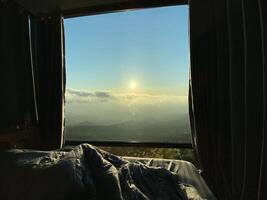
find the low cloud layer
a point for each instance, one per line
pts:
(83, 96)
(78, 93)
(104, 107)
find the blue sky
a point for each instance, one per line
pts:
(149, 47)
(127, 62)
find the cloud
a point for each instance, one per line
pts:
(79, 93)
(103, 94)
(83, 96)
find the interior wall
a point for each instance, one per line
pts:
(85, 7)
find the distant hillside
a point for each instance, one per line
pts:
(145, 131)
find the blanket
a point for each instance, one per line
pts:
(85, 172)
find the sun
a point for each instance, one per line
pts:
(132, 85)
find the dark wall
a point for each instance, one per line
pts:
(16, 88)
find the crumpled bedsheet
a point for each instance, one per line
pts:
(85, 172)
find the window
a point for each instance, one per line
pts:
(127, 77)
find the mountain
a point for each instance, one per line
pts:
(133, 130)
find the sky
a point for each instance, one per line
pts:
(133, 63)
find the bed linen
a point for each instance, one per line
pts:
(86, 172)
(187, 173)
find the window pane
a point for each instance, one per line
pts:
(127, 76)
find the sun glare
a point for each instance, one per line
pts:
(132, 85)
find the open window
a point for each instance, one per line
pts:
(127, 79)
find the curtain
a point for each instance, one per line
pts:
(228, 95)
(16, 84)
(48, 56)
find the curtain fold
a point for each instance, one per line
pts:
(228, 95)
(263, 171)
(48, 56)
(16, 86)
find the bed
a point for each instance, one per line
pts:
(87, 172)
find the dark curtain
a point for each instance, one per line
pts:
(16, 84)
(228, 95)
(48, 56)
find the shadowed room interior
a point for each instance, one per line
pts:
(226, 108)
